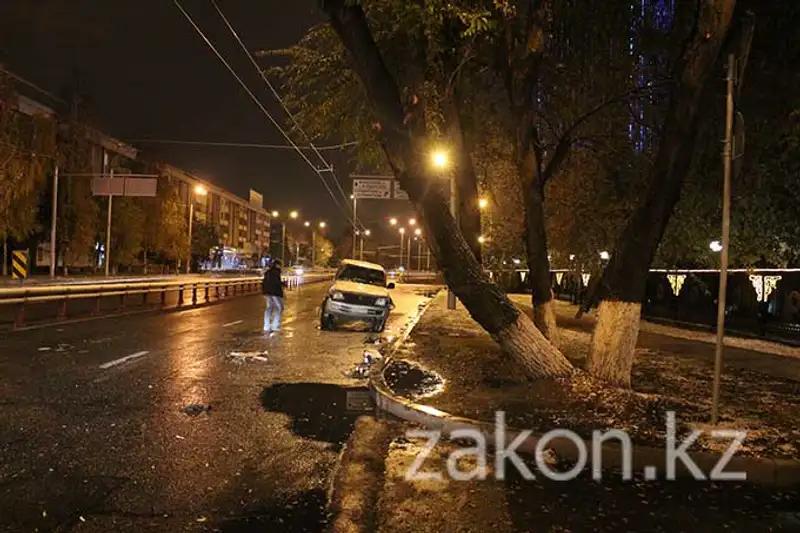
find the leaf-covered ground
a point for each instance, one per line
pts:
(760, 391)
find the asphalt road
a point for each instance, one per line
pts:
(90, 441)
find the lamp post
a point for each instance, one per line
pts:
(402, 240)
(441, 161)
(366, 233)
(199, 190)
(355, 223)
(314, 244)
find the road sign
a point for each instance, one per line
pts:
(19, 264)
(124, 186)
(399, 194)
(380, 189)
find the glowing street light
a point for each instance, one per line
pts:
(367, 232)
(440, 159)
(294, 214)
(307, 223)
(605, 256)
(481, 239)
(483, 203)
(402, 231)
(715, 246)
(412, 222)
(275, 214)
(393, 221)
(322, 224)
(199, 190)
(418, 232)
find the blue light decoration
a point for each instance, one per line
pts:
(658, 16)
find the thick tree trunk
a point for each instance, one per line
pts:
(536, 246)
(404, 142)
(621, 288)
(468, 209)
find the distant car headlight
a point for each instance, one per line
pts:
(298, 271)
(337, 296)
(382, 302)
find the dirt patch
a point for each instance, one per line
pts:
(480, 380)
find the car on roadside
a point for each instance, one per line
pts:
(359, 292)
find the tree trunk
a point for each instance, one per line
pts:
(621, 289)
(467, 180)
(5, 256)
(403, 139)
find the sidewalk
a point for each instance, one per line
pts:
(760, 392)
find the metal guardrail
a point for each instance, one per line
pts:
(187, 291)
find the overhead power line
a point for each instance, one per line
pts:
(242, 145)
(261, 106)
(272, 89)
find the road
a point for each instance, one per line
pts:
(94, 437)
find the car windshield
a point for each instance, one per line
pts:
(363, 275)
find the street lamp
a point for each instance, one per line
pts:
(275, 214)
(322, 224)
(440, 159)
(481, 239)
(715, 246)
(314, 243)
(365, 233)
(393, 221)
(605, 256)
(307, 224)
(199, 190)
(483, 203)
(294, 214)
(412, 222)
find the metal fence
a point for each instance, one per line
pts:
(762, 303)
(20, 306)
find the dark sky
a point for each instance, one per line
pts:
(152, 77)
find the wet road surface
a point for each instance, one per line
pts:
(106, 425)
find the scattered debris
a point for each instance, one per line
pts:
(361, 371)
(196, 409)
(371, 358)
(45, 349)
(241, 357)
(179, 437)
(202, 519)
(82, 519)
(64, 347)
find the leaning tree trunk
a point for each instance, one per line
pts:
(469, 213)
(621, 288)
(404, 141)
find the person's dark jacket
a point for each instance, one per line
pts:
(272, 284)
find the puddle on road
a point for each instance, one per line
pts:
(413, 381)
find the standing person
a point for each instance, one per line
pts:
(272, 287)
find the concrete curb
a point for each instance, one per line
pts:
(761, 471)
(358, 479)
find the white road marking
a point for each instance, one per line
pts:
(232, 323)
(122, 359)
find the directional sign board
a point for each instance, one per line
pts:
(399, 194)
(124, 186)
(379, 189)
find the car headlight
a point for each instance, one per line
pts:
(382, 302)
(337, 296)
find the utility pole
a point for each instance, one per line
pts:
(191, 220)
(283, 243)
(355, 224)
(108, 229)
(419, 255)
(313, 248)
(54, 218)
(402, 254)
(726, 217)
(361, 250)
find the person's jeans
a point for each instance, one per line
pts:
(273, 312)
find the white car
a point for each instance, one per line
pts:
(359, 292)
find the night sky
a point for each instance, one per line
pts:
(151, 76)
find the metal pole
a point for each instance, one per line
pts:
(355, 226)
(108, 228)
(401, 249)
(54, 218)
(419, 255)
(451, 297)
(5, 256)
(283, 243)
(313, 248)
(428, 259)
(191, 219)
(408, 251)
(361, 251)
(296, 252)
(726, 217)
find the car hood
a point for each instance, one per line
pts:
(360, 288)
